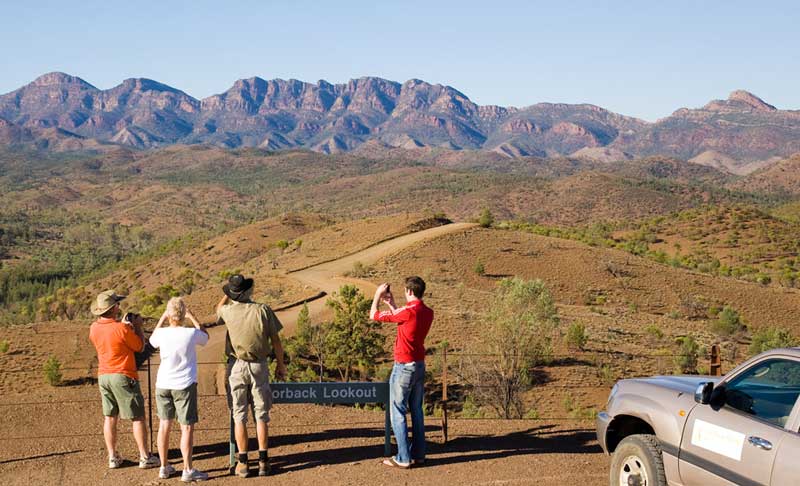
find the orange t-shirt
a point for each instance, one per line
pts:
(115, 343)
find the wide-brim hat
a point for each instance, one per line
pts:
(237, 286)
(105, 301)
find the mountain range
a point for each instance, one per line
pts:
(61, 112)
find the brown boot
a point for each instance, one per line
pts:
(242, 470)
(264, 468)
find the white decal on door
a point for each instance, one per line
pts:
(725, 442)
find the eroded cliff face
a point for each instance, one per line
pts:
(278, 114)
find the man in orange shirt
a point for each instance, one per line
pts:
(115, 342)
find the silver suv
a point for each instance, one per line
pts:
(706, 431)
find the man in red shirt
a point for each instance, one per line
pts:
(407, 382)
(116, 342)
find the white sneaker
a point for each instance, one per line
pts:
(115, 462)
(149, 462)
(190, 475)
(164, 472)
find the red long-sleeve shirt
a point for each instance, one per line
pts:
(413, 323)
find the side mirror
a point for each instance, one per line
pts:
(702, 394)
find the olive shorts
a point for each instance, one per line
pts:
(121, 396)
(178, 404)
(249, 380)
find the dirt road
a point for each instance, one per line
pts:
(326, 277)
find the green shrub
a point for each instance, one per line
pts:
(568, 402)
(654, 332)
(282, 244)
(4, 345)
(768, 338)
(728, 322)
(606, 374)
(359, 270)
(486, 219)
(470, 409)
(576, 336)
(479, 269)
(687, 356)
(531, 414)
(52, 371)
(224, 275)
(763, 279)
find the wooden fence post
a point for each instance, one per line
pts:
(715, 367)
(444, 394)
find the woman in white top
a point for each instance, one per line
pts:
(176, 384)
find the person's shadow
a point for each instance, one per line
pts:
(464, 448)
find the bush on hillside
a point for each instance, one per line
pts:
(576, 337)
(521, 321)
(688, 355)
(768, 338)
(486, 218)
(52, 371)
(728, 322)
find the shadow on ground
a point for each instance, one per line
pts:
(464, 448)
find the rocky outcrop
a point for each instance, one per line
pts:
(279, 114)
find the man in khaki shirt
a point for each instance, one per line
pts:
(252, 327)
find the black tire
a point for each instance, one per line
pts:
(641, 451)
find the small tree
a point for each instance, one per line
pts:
(486, 218)
(770, 338)
(479, 269)
(576, 336)
(352, 338)
(308, 342)
(521, 321)
(52, 371)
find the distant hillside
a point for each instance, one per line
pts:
(780, 177)
(62, 112)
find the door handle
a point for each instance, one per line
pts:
(760, 443)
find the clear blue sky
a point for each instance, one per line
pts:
(640, 58)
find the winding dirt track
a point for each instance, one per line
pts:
(326, 277)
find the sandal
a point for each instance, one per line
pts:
(389, 461)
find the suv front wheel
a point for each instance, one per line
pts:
(637, 462)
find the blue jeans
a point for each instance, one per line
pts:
(406, 390)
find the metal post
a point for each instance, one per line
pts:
(444, 394)
(387, 437)
(232, 446)
(150, 401)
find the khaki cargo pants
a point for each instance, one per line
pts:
(249, 380)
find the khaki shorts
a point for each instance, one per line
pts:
(121, 396)
(249, 381)
(178, 404)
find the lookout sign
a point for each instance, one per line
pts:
(344, 393)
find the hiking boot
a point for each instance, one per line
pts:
(264, 468)
(149, 462)
(115, 462)
(242, 470)
(191, 475)
(164, 472)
